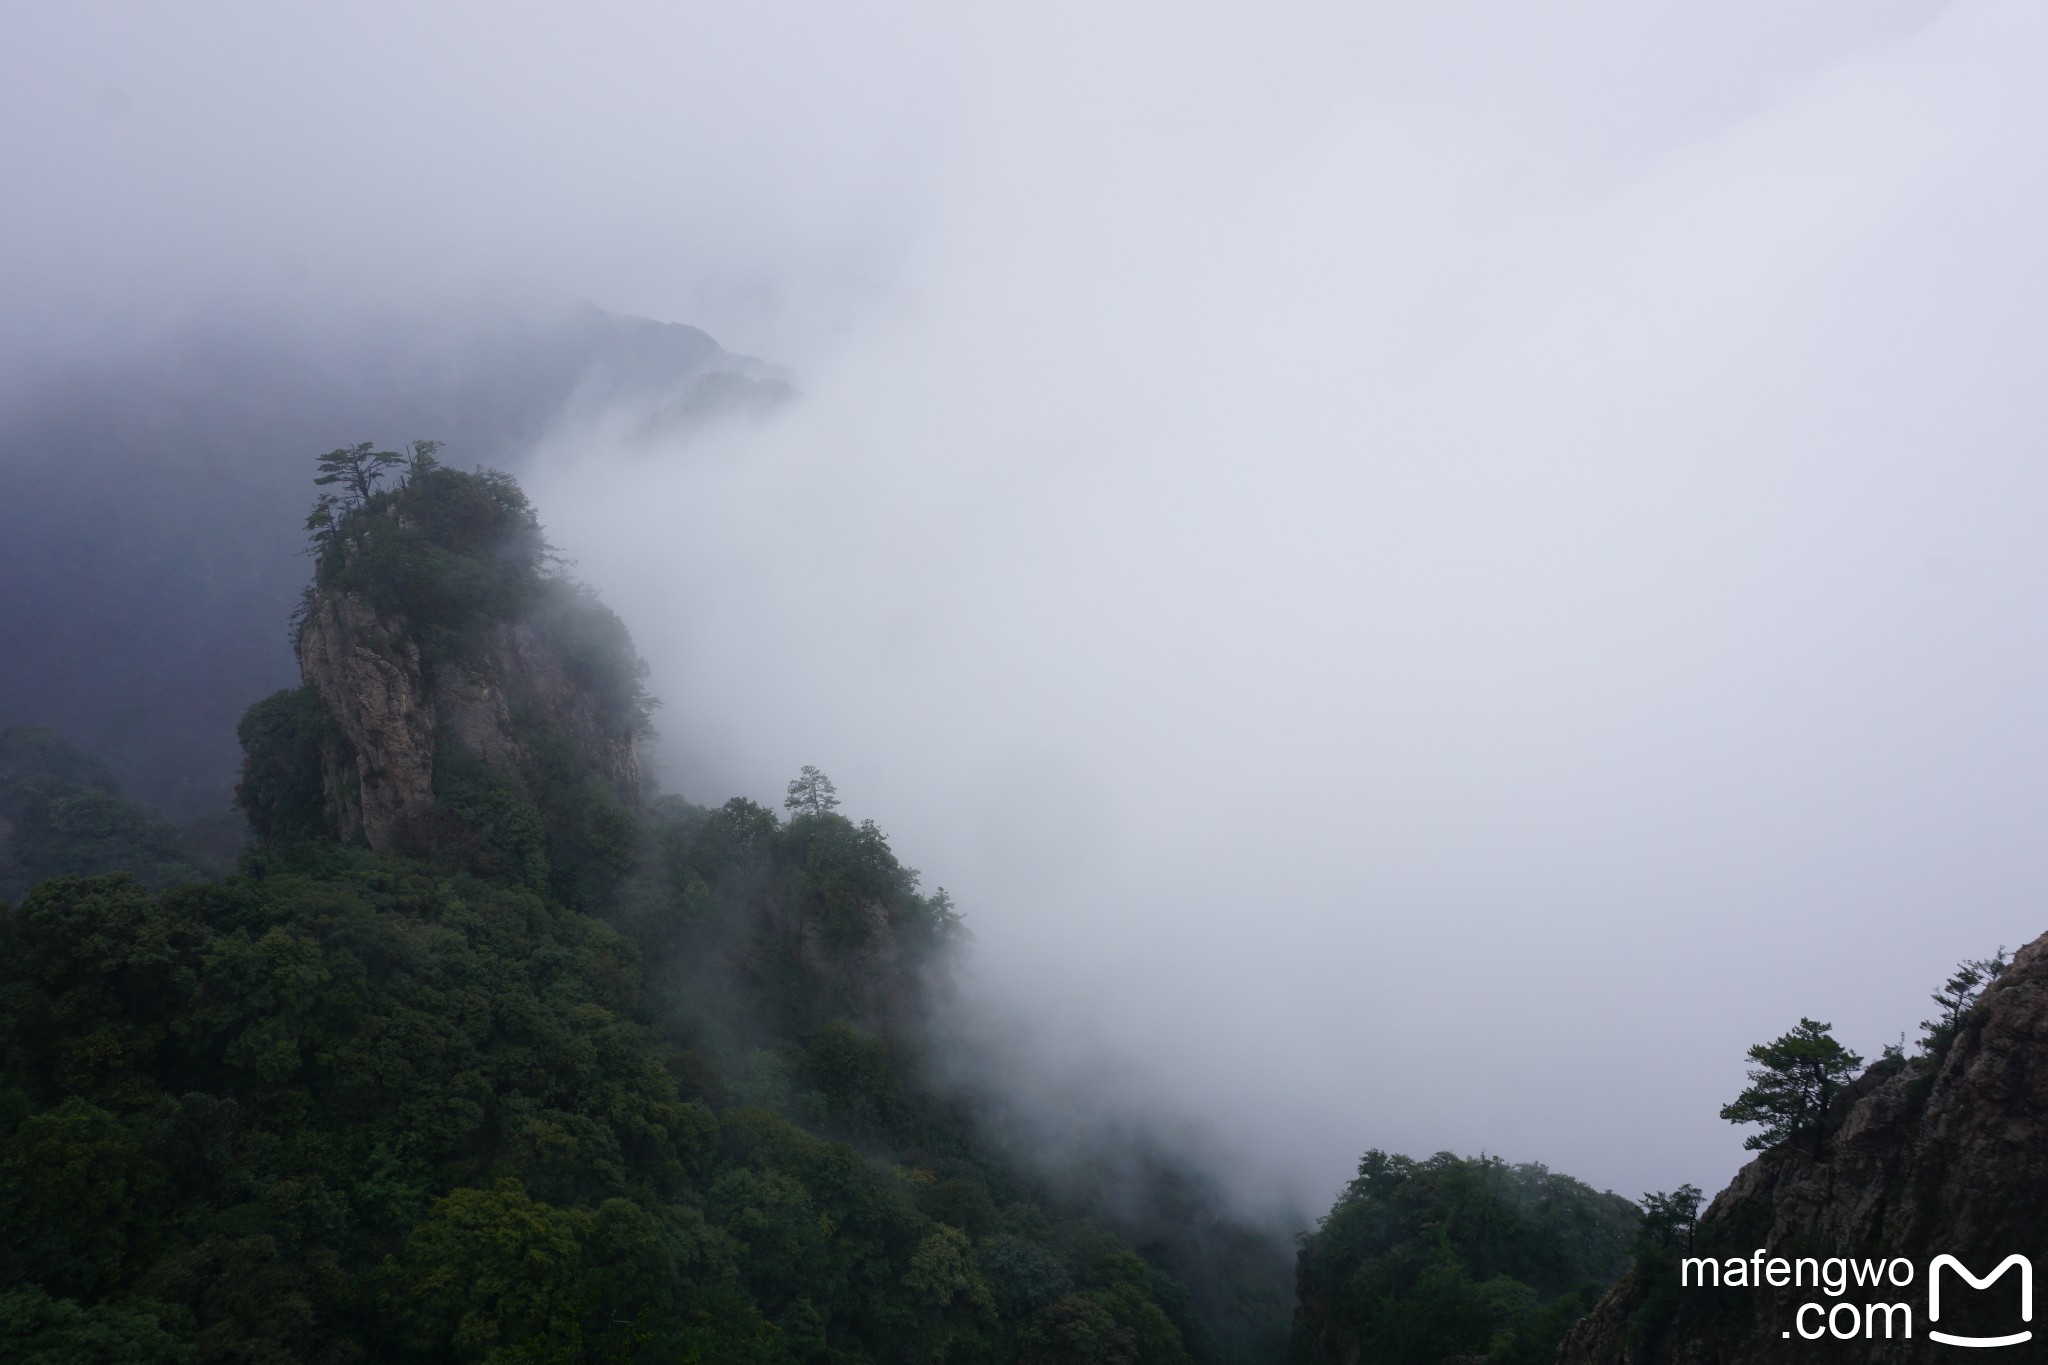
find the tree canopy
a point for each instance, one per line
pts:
(1791, 1087)
(1421, 1261)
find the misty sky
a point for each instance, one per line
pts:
(1424, 574)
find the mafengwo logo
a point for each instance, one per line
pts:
(1848, 1321)
(2026, 1269)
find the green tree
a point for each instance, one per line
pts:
(74, 1186)
(38, 1330)
(1956, 996)
(358, 469)
(1791, 1086)
(1421, 1261)
(422, 457)
(1669, 1221)
(496, 1275)
(322, 521)
(281, 791)
(812, 793)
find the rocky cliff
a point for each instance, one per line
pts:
(1945, 1156)
(462, 700)
(377, 768)
(151, 493)
(395, 713)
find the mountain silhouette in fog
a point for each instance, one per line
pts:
(150, 502)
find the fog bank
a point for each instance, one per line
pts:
(1416, 612)
(1425, 575)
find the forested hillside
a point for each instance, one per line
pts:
(487, 1053)
(61, 811)
(1456, 1259)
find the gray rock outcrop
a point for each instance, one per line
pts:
(380, 773)
(392, 708)
(1948, 1157)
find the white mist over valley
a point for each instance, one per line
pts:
(1423, 576)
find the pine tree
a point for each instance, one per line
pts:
(358, 469)
(811, 793)
(321, 522)
(1791, 1086)
(1955, 998)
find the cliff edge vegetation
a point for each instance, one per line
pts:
(1940, 1153)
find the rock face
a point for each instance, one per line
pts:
(380, 772)
(393, 710)
(1929, 1160)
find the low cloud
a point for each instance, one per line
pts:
(1425, 577)
(1423, 616)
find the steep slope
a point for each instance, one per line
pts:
(1931, 1158)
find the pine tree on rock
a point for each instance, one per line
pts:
(358, 469)
(1956, 997)
(1791, 1086)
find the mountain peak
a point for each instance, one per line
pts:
(460, 697)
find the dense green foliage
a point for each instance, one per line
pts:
(341, 1107)
(575, 1078)
(446, 552)
(1422, 1261)
(62, 812)
(280, 790)
(1671, 1219)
